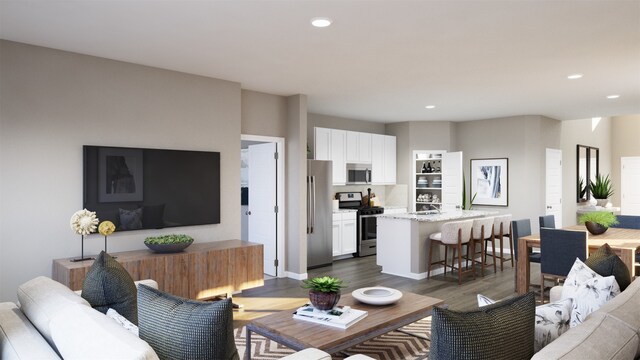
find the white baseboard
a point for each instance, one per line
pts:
(296, 276)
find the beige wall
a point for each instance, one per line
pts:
(296, 184)
(418, 135)
(625, 131)
(582, 132)
(53, 102)
(263, 114)
(522, 139)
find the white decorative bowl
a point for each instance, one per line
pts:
(377, 295)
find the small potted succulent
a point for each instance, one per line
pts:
(168, 243)
(601, 189)
(597, 222)
(324, 292)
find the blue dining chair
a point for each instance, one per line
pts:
(547, 221)
(520, 228)
(558, 251)
(627, 222)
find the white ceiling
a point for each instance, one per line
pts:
(380, 60)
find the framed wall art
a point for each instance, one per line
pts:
(490, 181)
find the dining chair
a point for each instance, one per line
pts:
(627, 222)
(481, 232)
(558, 251)
(547, 221)
(520, 228)
(453, 235)
(502, 229)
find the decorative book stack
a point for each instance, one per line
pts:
(340, 317)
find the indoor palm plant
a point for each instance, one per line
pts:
(324, 292)
(597, 222)
(601, 189)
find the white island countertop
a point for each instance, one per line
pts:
(435, 216)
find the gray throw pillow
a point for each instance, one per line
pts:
(109, 285)
(504, 330)
(130, 219)
(178, 328)
(605, 262)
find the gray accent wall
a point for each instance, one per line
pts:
(53, 102)
(522, 139)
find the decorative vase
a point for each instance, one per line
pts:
(323, 300)
(595, 228)
(602, 202)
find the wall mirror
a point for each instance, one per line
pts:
(588, 166)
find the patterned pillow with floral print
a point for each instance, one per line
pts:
(551, 321)
(588, 290)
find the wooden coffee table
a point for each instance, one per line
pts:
(299, 334)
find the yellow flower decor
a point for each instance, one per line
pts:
(106, 228)
(84, 222)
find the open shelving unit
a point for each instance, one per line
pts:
(427, 186)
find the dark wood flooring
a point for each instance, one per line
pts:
(283, 293)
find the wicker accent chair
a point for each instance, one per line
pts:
(481, 232)
(502, 229)
(559, 250)
(547, 221)
(453, 235)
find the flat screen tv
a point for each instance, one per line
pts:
(152, 188)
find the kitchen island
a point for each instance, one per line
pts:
(403, 240)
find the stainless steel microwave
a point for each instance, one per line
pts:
(358, 174)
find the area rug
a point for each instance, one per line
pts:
(409, 342)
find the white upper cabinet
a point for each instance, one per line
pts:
(452, 180)
(364, 147)
(377, 159)
(342, 147)
(322, 140)
(338, 140)
(353, 148)
(389, 159)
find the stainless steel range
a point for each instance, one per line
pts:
(366, 218)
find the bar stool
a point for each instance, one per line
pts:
(481, 232)
(502, 229)
(454, 234)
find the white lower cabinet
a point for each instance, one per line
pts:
(344, 233)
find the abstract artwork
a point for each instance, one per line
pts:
(490, 181)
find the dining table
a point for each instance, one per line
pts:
(624, 242)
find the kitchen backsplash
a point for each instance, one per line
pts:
(389, 195)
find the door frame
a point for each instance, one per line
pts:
(561, 221)
(280, 173)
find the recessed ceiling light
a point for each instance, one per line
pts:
(574, 76)
(613, 96)
(430, 106)
(320, 22)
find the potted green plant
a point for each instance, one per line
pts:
(168, 243)
(597, 222)
(324, 292)
(601, 189)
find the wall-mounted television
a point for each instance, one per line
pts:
(151, 188)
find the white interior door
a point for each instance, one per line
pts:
(629, 181)
(452, 180)
(262, 201)
(553, 185)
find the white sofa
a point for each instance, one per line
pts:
(611, 332)
(53, 322)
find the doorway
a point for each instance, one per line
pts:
(262, 198)
(629, 189)
(553, 185)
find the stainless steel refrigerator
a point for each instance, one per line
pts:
(319, 213)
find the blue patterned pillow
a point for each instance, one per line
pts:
(178, 328)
